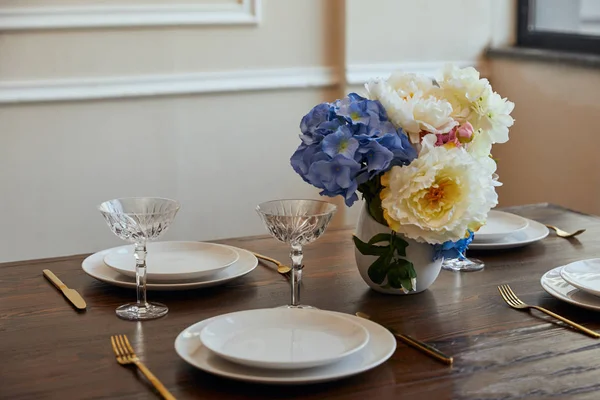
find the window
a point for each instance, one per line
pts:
(566, 25)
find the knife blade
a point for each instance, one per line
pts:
(71, 294)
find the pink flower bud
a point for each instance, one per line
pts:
(464, 133)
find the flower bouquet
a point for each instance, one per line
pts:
(419, 151)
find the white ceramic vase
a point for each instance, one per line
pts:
(419, 254)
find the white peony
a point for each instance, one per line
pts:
(410, 104)
(440, 195)
(461, 87)
(493, 116)
(408, 85)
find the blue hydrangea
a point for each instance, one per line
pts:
(451, 250)
(346, 143)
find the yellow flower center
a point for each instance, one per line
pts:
(343, 146)
(355, 115)
(440, 198)
(410, 96)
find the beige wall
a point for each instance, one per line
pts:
(552, 154)
(200, 102)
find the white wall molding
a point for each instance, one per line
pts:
(54, 17)
(171, 84)
(358, 74)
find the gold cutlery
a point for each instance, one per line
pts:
(71, 294)
(513, 301)
(126, 356)
(281, 268)
(565, 234)
(417, 344)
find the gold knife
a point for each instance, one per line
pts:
(417, 344)
(70, 294)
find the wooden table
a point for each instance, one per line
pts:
(49, 351)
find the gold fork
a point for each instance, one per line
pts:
(126, 355)
(513, 301)
(565, 234)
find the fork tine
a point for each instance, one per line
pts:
(122, 349)
(501, 290)
(505, 295)
(114, 346)
(513, 295)
(128, 345)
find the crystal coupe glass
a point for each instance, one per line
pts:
(138, 220)
(297, 223)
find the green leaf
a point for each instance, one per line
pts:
(411, 270)
(380, 237)
(398, 274)
(394, 276)
(378, 270)
(400, 245)
(370, 249)
(376, 211)
(407, 284)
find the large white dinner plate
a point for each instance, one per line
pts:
(584, 275)
(499, 225)
(555, 285)
(95, 267)
(283, 338)
(174, 261)
(380, 347)
(533, 233)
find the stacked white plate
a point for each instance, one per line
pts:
(577, 283)
(505, 231)
(172, 265)
(285, 345)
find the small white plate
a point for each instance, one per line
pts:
(533, 233)
(380, 347)
(94, 266)
(584, 275)
(283, 338)
(499, 225)
(556, 286)
(174, 261)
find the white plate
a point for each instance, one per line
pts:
(283, 338)
(95, 267)
(556, 286)
(174, 261)
(499, 225)
(584, 275)
(533, 233)
(380, 347)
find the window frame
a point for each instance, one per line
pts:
(570, 42)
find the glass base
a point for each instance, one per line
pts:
(135, 312)
(466, 265)
(300, 306)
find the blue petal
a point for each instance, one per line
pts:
(317, 115)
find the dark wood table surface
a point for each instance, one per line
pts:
(49, 351)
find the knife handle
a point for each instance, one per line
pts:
(54, 279)
(424, 347)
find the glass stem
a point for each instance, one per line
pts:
(296, 256)
(140, 273)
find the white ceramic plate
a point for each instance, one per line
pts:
(95, 267)
(174, 261)
(499, 225)
(556, 286)
(584, 275)
(380, 347)
(533, 233)
(283, 338)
